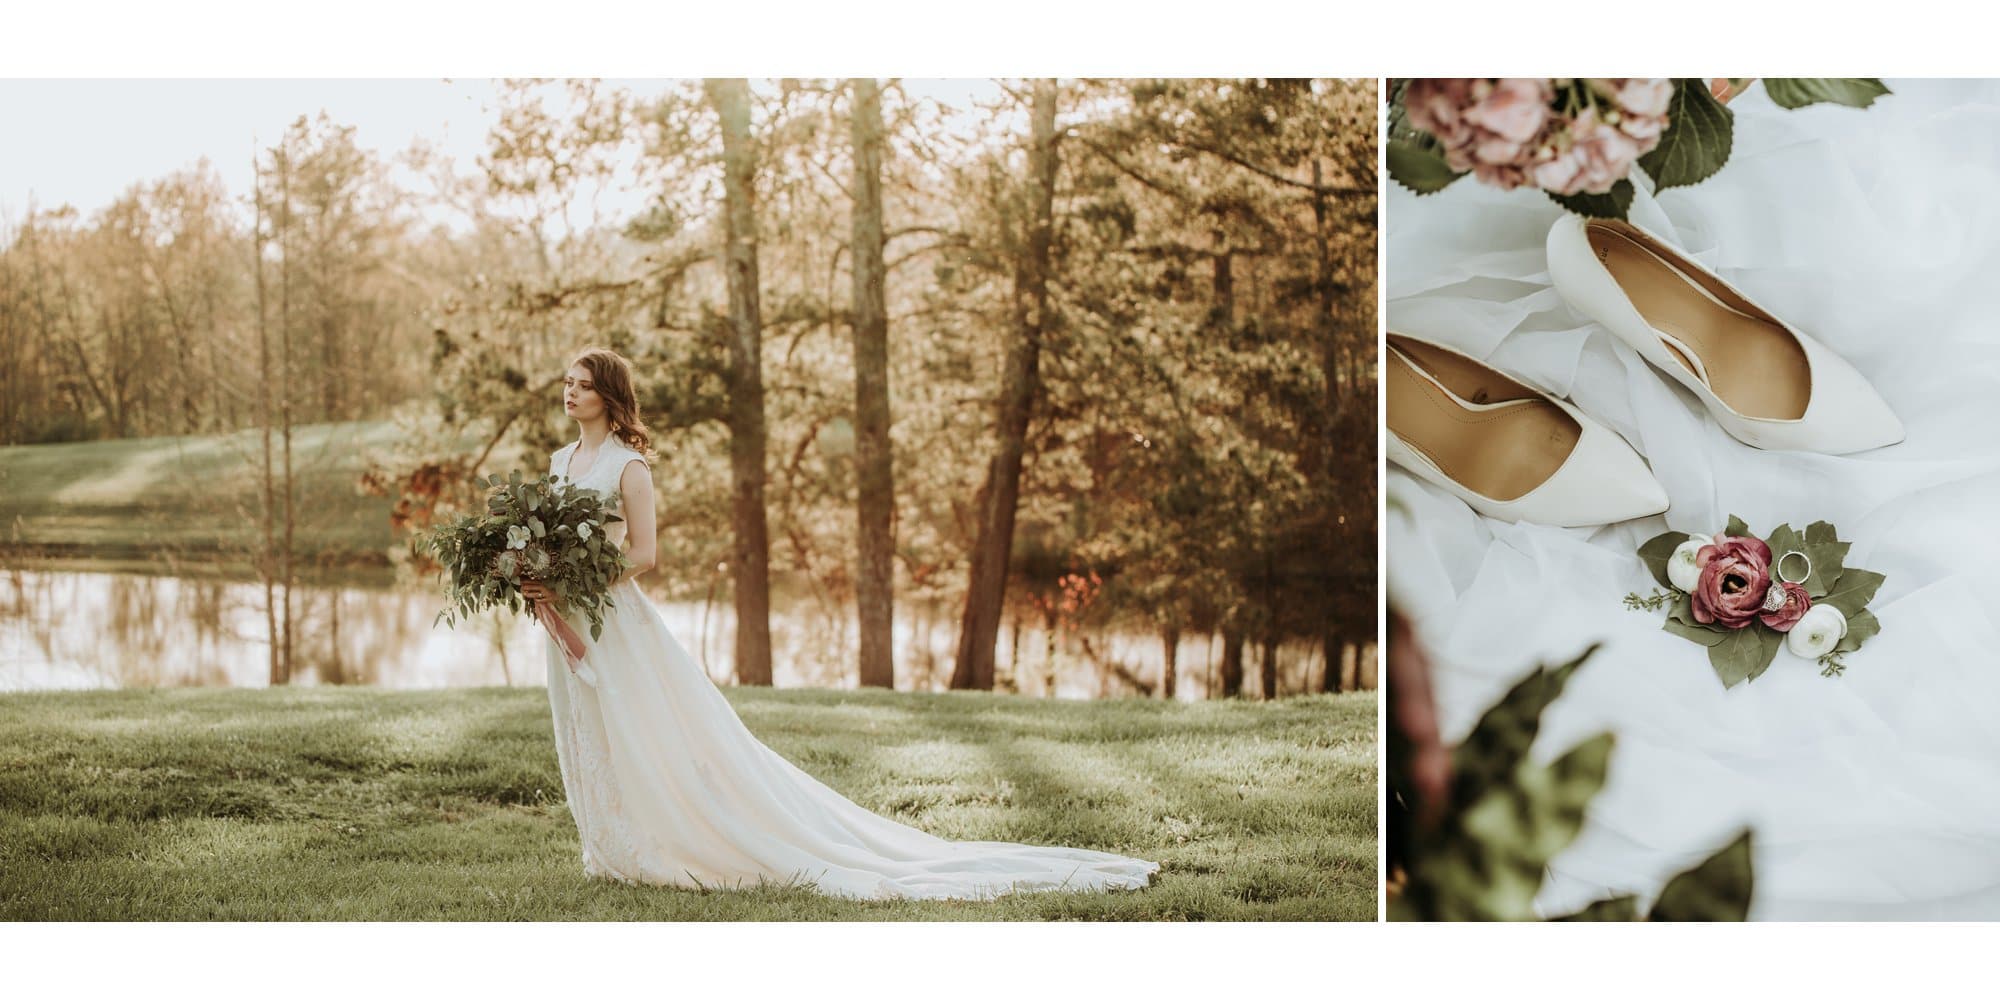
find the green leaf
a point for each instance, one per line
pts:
(1719, 888)
(1617, 908)
(1770, 642)
(1743, 654)
(1829, 557)
(1696, 633)
(1500, 741)
(1795, 92)
(1697, 141)
(1658, 551)
(1784, 538)
(1613, 204)
(1855, 588)
(1860, 629)
(1736, 527)
(535, 526)
(1418, 168)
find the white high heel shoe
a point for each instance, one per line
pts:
(1767, 384)
(1510, 451)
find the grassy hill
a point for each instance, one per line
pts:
(190, 498)
(356, 804)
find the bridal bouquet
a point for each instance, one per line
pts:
(542, 530)
(1728, 593)
(1577, 139)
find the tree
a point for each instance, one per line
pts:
(752, 550)
(876, 493)
(979, 626)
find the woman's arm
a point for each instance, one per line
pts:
(642, 537)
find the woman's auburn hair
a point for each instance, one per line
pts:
(611, 377)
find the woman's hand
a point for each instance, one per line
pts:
(535, 592)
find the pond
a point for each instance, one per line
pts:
(67, 630)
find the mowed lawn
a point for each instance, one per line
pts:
(358, 804)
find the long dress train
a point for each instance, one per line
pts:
(668, 787)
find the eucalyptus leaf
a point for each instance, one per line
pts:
(1613, 204)
(1658, 551)
(1796, 92)
(1417, 168)
(1852, 592)
(1697, 141)
(1736, 527)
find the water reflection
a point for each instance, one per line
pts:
(113, 630)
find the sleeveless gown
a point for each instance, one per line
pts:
(668, 787)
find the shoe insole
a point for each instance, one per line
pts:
(1490, 434)
(1752, 364)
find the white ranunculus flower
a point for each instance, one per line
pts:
(518, 536)
(583, 531)
(1681, 570)
(1817, 633)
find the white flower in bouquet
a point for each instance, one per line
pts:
(537, 560)
(1821, 629)
(583, 531)
(1682, 570)
(518, 536)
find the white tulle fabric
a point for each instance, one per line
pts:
(1875, 795)
(669, 788)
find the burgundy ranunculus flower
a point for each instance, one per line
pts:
(1735, 573)
(1797, 603)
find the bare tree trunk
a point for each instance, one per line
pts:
(266, 561)
(1269, 679)
(875, 471)
(747, 436)
(1170, 642)
(1335, 652)
(285, 376)
(986, 594)
(1232, 662)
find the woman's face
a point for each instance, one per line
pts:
(580, 398)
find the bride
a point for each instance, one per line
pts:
(667, 785)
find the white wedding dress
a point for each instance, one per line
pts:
(1875, 795)
(669, 788)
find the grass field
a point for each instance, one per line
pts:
(355, 804)
(195, 497)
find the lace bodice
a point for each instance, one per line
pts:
(602, 475)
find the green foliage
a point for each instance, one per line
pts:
(1853, 92)
(1743, 654)
(1420, 167)
(1697, 141)
(1506, 816)
(1612, 204)
(545, 529)
(1658, 551)
(1717, 889)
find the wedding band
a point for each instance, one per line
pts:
(1779, 569)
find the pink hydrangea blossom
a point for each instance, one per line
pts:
(1516, 132)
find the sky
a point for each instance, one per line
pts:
(83, 142)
